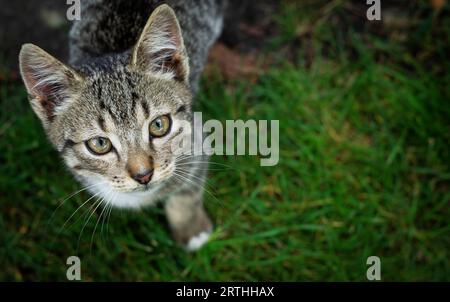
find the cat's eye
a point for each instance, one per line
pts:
(99, 145)
(160, 126)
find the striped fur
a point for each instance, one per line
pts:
(117, 96)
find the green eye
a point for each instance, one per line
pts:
(99, 145)
(160, 126)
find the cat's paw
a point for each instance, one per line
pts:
(197, 241)
(195, 233)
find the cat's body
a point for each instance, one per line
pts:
(115, 114)
(108, 27)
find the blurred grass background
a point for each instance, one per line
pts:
(364, 164)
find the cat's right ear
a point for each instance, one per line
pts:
(49, 82)
(160, 50)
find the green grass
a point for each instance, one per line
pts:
(364, 170)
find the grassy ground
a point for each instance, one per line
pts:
(364, 170)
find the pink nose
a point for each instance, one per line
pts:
(143, 178)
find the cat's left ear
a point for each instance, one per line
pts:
(49, 82)
(160, 49)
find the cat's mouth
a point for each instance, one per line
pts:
(144, 188)
(152, 185)
(140, 189)
(161, 178)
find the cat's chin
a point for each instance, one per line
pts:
(136, 199)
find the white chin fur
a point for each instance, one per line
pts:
(197, 241)
(129, 200)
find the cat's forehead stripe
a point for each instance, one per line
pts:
(120, 97)
(145, 108)
(101, 123)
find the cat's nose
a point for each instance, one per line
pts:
(140, 168)
(143, 178)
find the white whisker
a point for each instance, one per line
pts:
(68, 219)
(72, 195)
(97, 203)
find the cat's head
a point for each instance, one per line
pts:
(115, 129)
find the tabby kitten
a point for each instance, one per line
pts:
(115, 117)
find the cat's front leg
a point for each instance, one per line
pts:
(188, 220)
